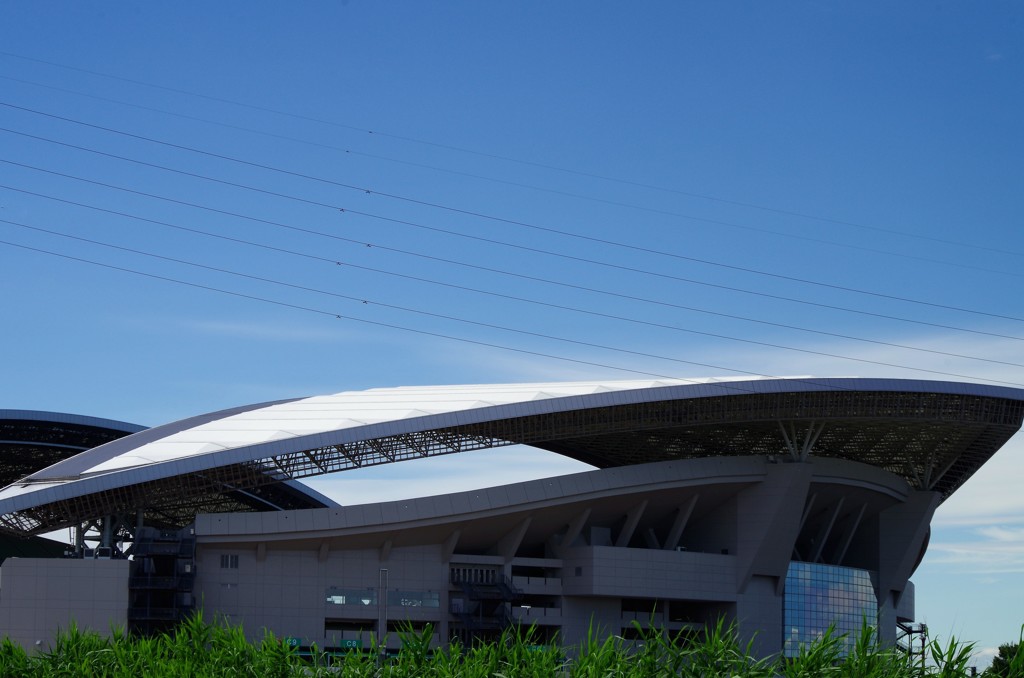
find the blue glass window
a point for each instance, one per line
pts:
(818, 596)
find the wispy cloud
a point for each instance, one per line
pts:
(267, 331)
(992, 496)
(876, 360)
(1002, 534)
(986, 551)
(444, 474)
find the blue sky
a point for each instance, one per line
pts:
(682, 189)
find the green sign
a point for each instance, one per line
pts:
(350, 644)
(292, 642)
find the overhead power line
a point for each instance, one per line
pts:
(467, 321)
(367, 190)
(545, 189)
(520, 161)
(393, 326)
(516, 246)
(510, 297)
(348, 264)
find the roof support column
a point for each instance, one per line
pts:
(772, 509)
(448, 548)
(683, 514)
(903, 530)
(800, 446)
(803, 520)
(632, 519)
(765, 537)
(510, 543)
(841, 554)
(932, 477)
(571, 533)
(826, 530)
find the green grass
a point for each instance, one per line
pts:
(202, 649)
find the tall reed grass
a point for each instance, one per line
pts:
(202, 649)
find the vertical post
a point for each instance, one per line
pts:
(106, 531)
(382, 611)
(924, 645)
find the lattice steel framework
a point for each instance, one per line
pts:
(933, 440)
(28, 445)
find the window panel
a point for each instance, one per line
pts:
(818, 596)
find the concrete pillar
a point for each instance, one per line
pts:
(770, 524)
(902, 531)
(759, 616)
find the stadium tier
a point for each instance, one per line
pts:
(783, 505)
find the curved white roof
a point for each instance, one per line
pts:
(348, 410)
(265, 433)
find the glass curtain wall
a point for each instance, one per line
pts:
(818, 596)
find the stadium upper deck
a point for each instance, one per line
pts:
(933, 434)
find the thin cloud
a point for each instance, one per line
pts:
(268, 331)
(444, 474)
(1003, 534)
(987, 551)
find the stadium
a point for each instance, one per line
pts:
(782, 505)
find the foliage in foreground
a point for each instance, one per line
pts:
(201, 649)
(1009, 662)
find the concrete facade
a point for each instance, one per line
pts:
(679, 544)
(776, 504)
(39, 596)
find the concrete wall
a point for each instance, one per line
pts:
(273, 571)
(648, 573)
(747, 516)
(38, 596)
(585, 616)
(283, 590)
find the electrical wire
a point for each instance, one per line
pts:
(500, 295)
(479, 215)
(520, 161)
(476, 323)
(376, 323)
(522, 247)
(349, 264)
(552, 191)
(650, 251)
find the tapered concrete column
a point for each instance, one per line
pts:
(770, 524)
(902, 531)
(771, 513)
